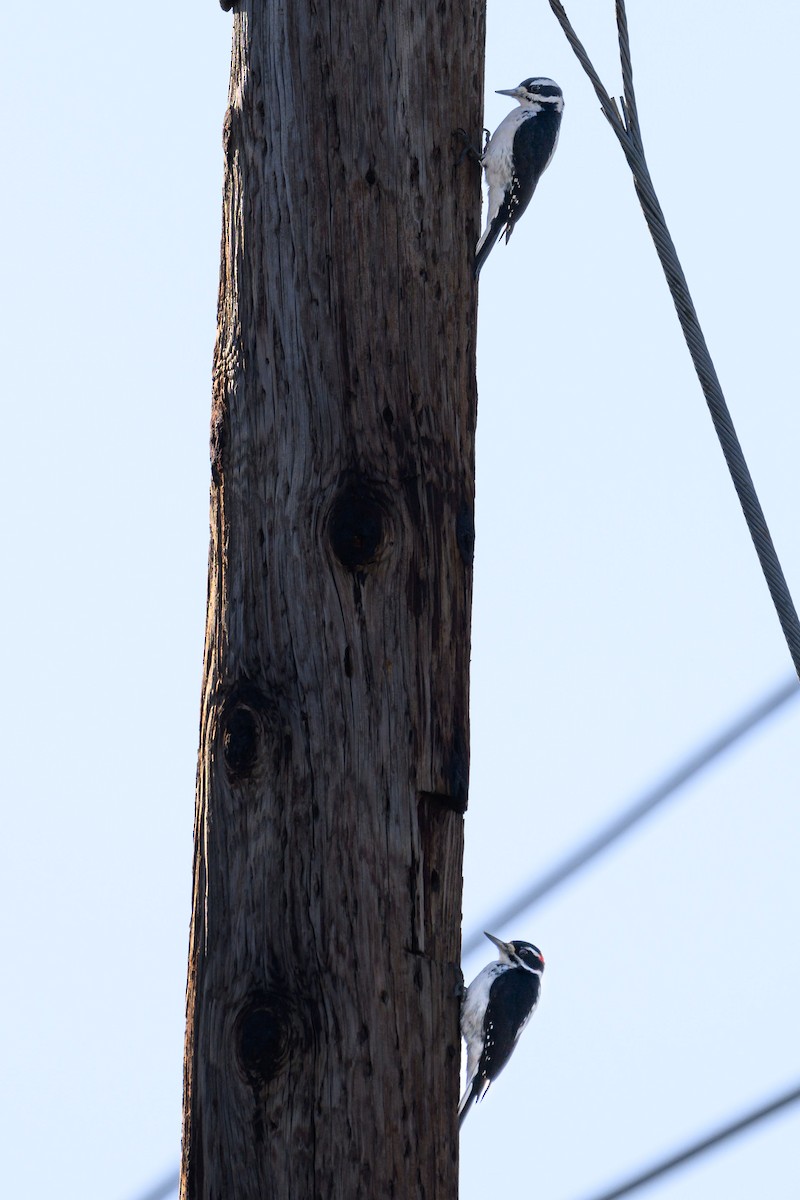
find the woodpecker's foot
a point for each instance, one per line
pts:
(469, 150)
(487, 133)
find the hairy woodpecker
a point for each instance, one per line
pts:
(499, 1003)
(516, 156)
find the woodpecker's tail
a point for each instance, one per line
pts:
(476, 1089)
(487, 243)
(465, 1104)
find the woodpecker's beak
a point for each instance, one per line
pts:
(516, 93)
(500, 945)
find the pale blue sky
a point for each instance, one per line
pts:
(619, 614)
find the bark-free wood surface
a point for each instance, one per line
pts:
(322, 1041)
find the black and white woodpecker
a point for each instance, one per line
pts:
(517, 155)
(498, 1004)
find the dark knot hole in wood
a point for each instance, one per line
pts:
(251, 731)
(240, 741)
(264, 1037)
(357, 525)
(465, 533)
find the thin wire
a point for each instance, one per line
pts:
(168, 1185)
(670, 783)
(700, 1147)
(691, 765)
(733, 1129)
(630, 139)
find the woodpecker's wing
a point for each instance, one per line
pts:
(515, 995)
(534, 146)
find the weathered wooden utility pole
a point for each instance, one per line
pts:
(322, 1040)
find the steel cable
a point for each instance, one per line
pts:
(626, 128)
(690, 766)
(732, 1129)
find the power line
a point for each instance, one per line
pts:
(169, 1184)
(601, 840)
(700, 1147)
(670, 783)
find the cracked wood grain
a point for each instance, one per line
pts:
(322, 1043)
